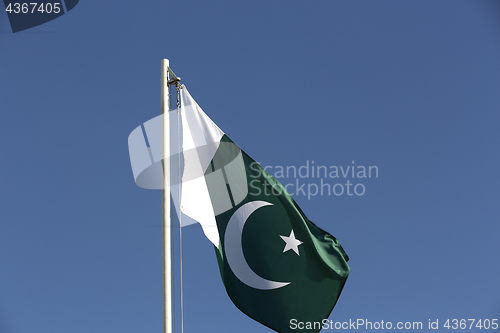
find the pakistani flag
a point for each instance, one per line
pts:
(278, 267)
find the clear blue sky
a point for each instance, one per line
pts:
(409, 86)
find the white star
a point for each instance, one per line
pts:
(291, 243)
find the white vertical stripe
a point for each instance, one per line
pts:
(198, 131)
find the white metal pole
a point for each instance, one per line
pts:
(166, 223)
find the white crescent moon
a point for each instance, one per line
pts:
(234, 250)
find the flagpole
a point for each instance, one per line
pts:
(166, 220)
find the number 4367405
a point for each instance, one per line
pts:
(471, 323)
(33, 7)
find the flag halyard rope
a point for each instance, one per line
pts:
(177, 85)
